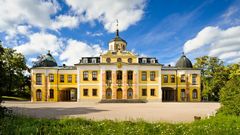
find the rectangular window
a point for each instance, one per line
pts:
(144, 76)
(144, 92)
(38, 79)
(152, 75)
(165, 79)
(94, 75)
(85, 92)
(61, 78)
(69, 78)
(152, 92)
(130, 75)
(172, 78)
(182, 78)
(194, 79)
(51, 93)
(51, 78)
(85, 75)
(119, 75)
(94, 92)
(108, 75)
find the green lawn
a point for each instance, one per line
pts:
(219, 125)
(14, 98)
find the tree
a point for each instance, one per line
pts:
(230, 97)
(214, 76)
(12, 66)
(2, 73)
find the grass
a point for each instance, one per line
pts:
(14, 98)
(219, 125)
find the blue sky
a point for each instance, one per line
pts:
(163, 29)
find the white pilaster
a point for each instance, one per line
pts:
(160, 85)
(78, 84)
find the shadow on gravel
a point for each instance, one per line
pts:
(53, 112)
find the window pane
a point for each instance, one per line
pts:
(144, 75)
(152, 92)
(165, 78)
(182, 78)
(61, 78)
(194, 79)
(85, 92)
(38, 79)
(130, 75)
(94, 75)
(69, 78)
(144, 92)
(51, 78)
(85, 75)
(94, 92)
(152, 76)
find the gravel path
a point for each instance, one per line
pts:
(152, 112)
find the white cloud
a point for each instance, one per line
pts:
(77, 49)
(96, 34)
(33, 12)
(62, 21)
(221, 43)
(128, 12)
(39, 43)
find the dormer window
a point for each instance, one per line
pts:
(94, 60)
(152, 61)
(85, 60)
(144, 60)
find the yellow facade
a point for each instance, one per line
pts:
(116, 74)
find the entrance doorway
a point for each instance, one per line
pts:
(109, 93)
(68, 95)
(119, 93)
(169, 94)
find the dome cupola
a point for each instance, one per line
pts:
(117, 43)
(184, 62)
(46, 60)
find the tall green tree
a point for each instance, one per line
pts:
(2, 72)
(214, 76)
(13, 66)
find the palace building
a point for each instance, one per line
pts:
(116, 74)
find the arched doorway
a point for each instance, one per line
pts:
(109, 93)
(130, 93)
(119, 93)
(39, 95)
(169, 94)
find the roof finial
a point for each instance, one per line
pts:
(183, 53)
(117, 31)
(48, 51)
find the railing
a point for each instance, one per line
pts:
(130, 82)
(119, 82)
(108, 82)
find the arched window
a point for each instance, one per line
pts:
(51, 91)
(129, 93)
(119, 60)
(39, 95)
(108, 60)
(194, 94)
(109, 93)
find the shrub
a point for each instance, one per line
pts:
(230, 97)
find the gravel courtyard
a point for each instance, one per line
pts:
(152, 112)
